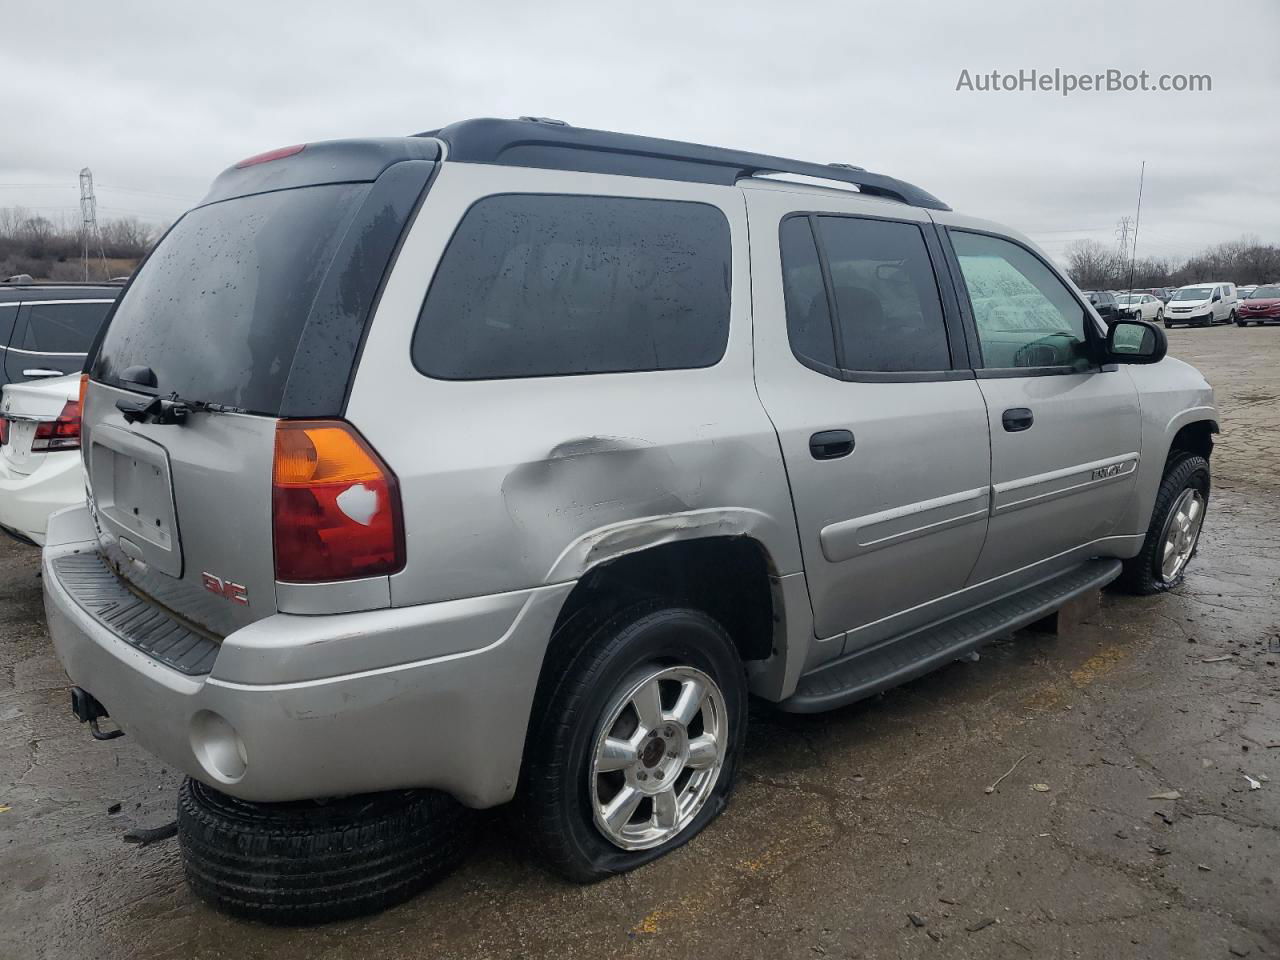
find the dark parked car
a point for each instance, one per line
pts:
(46, 328)
(1104, 301)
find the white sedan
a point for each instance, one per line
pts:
(1142, 306)
(40, 471)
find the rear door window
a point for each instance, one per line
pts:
(888, 312)
(550, 285)
(59, 326)
(808, 312)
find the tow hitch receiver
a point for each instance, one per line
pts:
(88, 710)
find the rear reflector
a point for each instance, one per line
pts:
(60, 434)
(278, 154)
(335, 505)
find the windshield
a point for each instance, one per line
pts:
(218, 310)
(1128, 298)
(1265, 293)
(1193, 293)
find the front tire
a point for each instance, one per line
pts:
(1174, 532)
(637, 745)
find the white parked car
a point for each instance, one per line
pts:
(40, 469)
(1202, 304)
(1142, 306)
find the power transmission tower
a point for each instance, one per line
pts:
(1122, 235)
(89, 224)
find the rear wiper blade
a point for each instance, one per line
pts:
(170, 410)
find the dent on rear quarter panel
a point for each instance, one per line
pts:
(608, 496)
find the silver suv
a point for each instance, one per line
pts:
(509, 458)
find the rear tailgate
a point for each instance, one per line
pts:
(250, 310)
(183, 508)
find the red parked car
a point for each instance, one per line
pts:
(1261, 306)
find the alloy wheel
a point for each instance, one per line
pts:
(657, 756)
(1181, 532)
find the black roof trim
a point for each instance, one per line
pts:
(325, 161)
(556, 146)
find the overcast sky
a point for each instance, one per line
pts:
(157, 98)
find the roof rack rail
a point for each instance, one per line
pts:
(537, 142)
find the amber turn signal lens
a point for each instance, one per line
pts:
(308, 452)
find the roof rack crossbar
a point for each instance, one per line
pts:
(561, 147)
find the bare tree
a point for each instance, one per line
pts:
(1092, 265)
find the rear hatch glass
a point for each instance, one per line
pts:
(218, 311)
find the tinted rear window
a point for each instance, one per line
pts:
(534, 286)
(59, 327)
(218, 309)
(886, 296)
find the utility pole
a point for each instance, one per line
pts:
(89, 224)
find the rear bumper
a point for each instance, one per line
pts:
(26, 500)
(455, 721)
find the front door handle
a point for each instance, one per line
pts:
(831, 444)
(1017, 419)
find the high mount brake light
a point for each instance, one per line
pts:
(278, 154)
(60, 434)
(335, 505)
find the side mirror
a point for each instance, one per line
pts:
(1136, 341)
(1217, 297)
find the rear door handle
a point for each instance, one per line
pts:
(1017, 419)
(831, 444)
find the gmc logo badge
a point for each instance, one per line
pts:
(235, 592)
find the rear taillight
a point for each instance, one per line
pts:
(4, 431)
(60, 434)
(335, 505)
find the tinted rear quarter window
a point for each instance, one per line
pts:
(59, 327)
(548, 285)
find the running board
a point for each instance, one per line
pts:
(902, 658)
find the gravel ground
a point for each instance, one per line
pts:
(866, 832)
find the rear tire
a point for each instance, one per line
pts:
(306, 862)
(1186, 479)
(575, 773)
